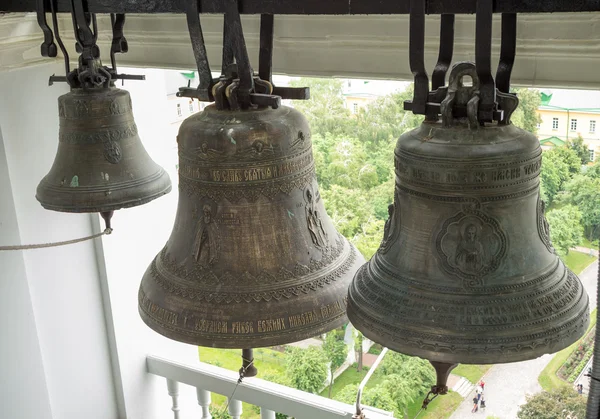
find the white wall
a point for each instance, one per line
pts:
(21, 362)
(139, 234)
(49, 295)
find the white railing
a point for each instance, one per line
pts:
(270, 397)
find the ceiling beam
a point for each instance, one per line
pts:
(314, 7)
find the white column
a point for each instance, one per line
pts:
(204, 402)
(266, 413)
(173, 387)
(235, 408)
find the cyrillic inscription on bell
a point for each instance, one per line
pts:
(466, 272)
(253, 259)
(101, 164)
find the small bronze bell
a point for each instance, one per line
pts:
(253, 259)
(101, 164)
(466, 272)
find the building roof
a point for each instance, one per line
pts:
(555, 141)
(572, 100)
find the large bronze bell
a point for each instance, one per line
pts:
(466, 272)
(101, 164)
(253, 259)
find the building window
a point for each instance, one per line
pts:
(591, 155)
(592, 127)
(554, 123)
(573, 125)
(179, 113)
(191, 107)
(355, 108)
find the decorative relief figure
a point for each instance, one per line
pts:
(390, 229)
(207, 153)
(313, 219)
(206, 245)
(115, 107)
(543, 226)
(470, 245)
(81, 108)
(469, 255)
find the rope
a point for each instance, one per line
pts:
(55, 244)
(239, 381)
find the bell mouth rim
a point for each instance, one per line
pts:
(232, 341)
(107, 206)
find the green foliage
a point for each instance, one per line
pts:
(583, 191)
(526, 116)
(218, 412)
(306, 369)
(326, 111)
(556, 404)
(558, 166)
(565, 228)
(578, 146)
(335, 350)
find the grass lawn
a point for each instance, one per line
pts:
(441, 408)
(351, 376)
(590, 245)
(473, 373)
(577, 261)
(548, 378)
(231, 359)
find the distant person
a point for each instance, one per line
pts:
(475, 404)
(482, 403)
(482, 385)
(580, 388)
(479, 392)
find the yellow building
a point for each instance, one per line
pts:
(567, 114)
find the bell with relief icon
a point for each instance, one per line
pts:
(466, 272)
(101, 164)
(253, 259)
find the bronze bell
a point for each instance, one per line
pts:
(466, 272)
(253, 259)
(101, 164)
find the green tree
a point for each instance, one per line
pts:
(378, 396)
(306, 369)
(558, 166)
(325, 110)
(556, 404)
(358, 348)
(336, 352)
(583, 191)
(565, 228)
(579, 147)
(526, 116)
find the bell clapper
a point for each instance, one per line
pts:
(248, 369)
(107, 215)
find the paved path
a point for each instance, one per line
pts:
(507, 384)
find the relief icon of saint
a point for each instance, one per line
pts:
(315, 226)
(206, 245)
(470, 256)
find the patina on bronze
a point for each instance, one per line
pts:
(253, 259)
(101, 164)
(466, 272)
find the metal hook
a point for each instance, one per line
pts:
(204, 90)
(119, 43)
(483, 59)
(507, 51)
(265, 62)
(58, 39)
(417, 57)
(233, 23)
(48, 47)
(265, 54)
(438, 78)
